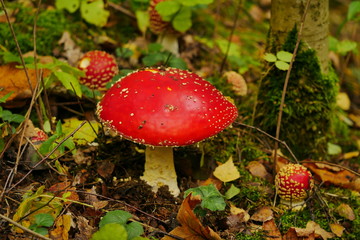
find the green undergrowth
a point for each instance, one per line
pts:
(309, 105)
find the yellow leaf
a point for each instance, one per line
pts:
(85, 134)
(343, 101)
(227, 172)
(337, 229)
(345, 211)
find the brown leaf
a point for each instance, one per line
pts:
(258, 170)
(345, 211)
(318, 230)
(85, 230)
(191, 228)
(238, 83)
(105, 169)
(334, 175)
(64, 189)
(263, 214)
(299, 234)
(271, 230)
(14, 80)
(337, 229)
(62, 228)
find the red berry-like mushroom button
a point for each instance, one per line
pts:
(293, 183)
(167, 35)
(99, 67)
(164, 108)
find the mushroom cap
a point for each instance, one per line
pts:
(293, 182)
(165, 107)
(99, 67)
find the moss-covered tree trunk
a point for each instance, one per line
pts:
(311, 92)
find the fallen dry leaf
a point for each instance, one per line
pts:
(298, 234)
(237, 219)
(263, 214)
(227, 172)
(238, 83)
(258, 170)
(64, 189)
(62, 228)
(318, 230)
(271, 230)
(345, 211)
(85, 230)
(337, 229)
(211, 180)
(191, 228)
(343, 101)
(334, 175)
(71, 51)
(105, 169)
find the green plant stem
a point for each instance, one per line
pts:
(23, 228)
(278, 124)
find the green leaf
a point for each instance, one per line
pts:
(354, 9)
(87, 133)
(284, 56)
(191, 3)
(46, 146)
(134, 229)
(117, 216)
(269, 57)
(69, 5)
(282, 65)
(44, 219)
(232, 192)
(333, 149)
(182, 20)
(142, 18)
(8, 116)
(176, 62)
(153, 59)
(346, 46)
(234, 49)
(94, 12)
(210, 196)
(40, 230)
(110, 232)
(167, 8)
(69, 82)
(5, 97)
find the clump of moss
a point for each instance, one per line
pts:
(309, 103)
(50, 26)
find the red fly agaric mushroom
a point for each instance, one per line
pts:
(167, 35)
(99, 67)
(293, 183)
(163, 108)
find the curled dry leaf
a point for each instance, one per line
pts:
(237, 219)
(319, 232)
(271, 230)
(299, 234)
(64, 190)
(345, 211)
(257, 169)
(191, 228)
(263, 214)
(84, 228)
(238, 83)
(334, 175)
(337, 229)
(62, 228)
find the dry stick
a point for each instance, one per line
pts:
(278, 124)
(23, 228)
(121, 9)
(47, 156)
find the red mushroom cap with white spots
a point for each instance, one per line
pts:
(165, 107)
(99, 67)
(293, 182)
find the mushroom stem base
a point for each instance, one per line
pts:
(169, 43)
(160, 169)
(295, 206)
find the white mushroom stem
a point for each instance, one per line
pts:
(169, 42)
(160, 169)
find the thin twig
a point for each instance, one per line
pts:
(47, 156)
(23, 228)
(121, 9)
(278, 124)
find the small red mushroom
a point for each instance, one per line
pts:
(99, 67)
(164, 108)
(293, 183)
(167, 35)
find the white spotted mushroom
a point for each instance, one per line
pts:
(293, 183)
(164, 108)
(99, 67)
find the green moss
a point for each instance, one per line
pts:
(309, 104)
(259, 235)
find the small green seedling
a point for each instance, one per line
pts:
(117, 223)
(281, 60)
(42, 222)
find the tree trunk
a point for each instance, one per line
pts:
(311, 93)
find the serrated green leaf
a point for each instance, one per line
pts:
(134, 229)
(110, 232)
(69, 5)
(70, 82)
(282, 65)
(333, 149)
(232, 192)
(44, 219)
(284, 56)
(269, 57)
(142, 18)
(116, 216)
(167, 8)
(210, 196)
(182, 20)
(354, 9)
(94, 12)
